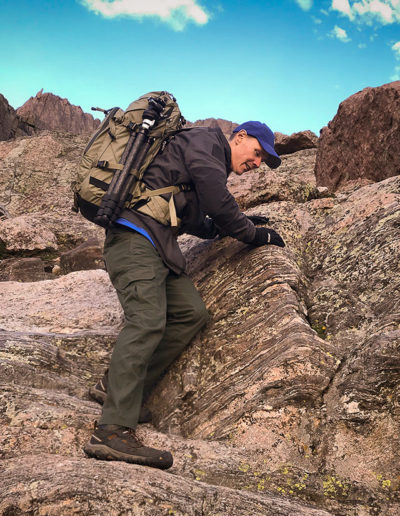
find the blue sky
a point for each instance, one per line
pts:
(288, 63)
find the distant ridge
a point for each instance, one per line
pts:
(48, 111)
(226, 126)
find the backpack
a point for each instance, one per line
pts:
(104, 152)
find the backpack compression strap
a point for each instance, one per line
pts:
(150, 202)
(157, 207)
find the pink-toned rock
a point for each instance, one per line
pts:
(285, 144)
(48, 111)
(22, 269)
(286, 403)
(362, 142)
(35, 194)
(88, 255)
(10, 123)
(36, 172)
(294, 180)
(8, 119)
(25, 234)
(69, 485)
(226, 126)
(82, 300)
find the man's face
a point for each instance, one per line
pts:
(247, 153)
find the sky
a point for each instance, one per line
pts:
(287, 63)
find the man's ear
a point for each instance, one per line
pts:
(240, 135)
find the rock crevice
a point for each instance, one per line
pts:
(288, 402)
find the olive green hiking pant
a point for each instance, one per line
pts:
(162, 311)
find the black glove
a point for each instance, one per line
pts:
(257, 220)
(266, 236)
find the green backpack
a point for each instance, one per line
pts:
(104, 152)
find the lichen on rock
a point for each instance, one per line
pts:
(286, 403)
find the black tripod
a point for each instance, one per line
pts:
(132, 159)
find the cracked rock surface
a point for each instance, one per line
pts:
(286, 403)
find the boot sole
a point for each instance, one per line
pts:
(103, 452)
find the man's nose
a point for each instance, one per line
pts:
(257, 161)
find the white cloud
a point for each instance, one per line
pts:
(343, 6)
(369, 11)
(177, 13)
(316, 20)
(340, 34)
(305, 4)
(396, 74)
(381, 10)
(396, 49)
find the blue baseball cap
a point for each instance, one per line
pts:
(266, 139)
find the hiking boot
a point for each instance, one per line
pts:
(114, 442)
(99, 393)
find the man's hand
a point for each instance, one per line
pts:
(266, 236)
(258, 220)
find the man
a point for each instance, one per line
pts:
(163, 310)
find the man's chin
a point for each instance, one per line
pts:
(238, 172)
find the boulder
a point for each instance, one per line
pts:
(22, 269)
(362, 142)
(47, 237)
(48, 111)
(36, 198)
(11, 124)
(88, 255)
(25, 234)
(285, 144)
(134, 490)
(294, 180)
(36, 172)
(79, 301)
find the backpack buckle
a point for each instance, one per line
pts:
(131, 127)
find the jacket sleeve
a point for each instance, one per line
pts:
(205, 162)
(205, 228)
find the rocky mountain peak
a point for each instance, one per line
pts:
(226, 126)
(48, 111)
